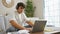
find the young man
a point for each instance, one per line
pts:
(19, 19)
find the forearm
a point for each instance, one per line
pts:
(16, 25)
(30, 23)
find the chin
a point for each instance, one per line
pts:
(19, 12)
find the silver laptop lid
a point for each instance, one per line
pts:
(39, 25)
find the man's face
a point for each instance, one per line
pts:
(20, 9)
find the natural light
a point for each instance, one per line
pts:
(52, 12)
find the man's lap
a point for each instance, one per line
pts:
(12, 29)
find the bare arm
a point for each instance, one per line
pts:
(30, 23)
(16, 25)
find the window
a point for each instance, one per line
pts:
(52, 12)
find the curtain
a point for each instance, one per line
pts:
(52, 12)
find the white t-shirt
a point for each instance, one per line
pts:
(18, 18)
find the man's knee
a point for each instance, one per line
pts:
(11, 29)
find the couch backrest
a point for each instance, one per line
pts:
(2, 23)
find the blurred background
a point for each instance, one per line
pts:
(42, 9)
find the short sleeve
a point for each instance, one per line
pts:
(11, 17)
(25, 17)
(8, 18)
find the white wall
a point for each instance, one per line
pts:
(39, 8)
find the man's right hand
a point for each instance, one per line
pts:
(30, 29)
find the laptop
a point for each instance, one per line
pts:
(39, 26)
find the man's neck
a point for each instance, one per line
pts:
(18, 12)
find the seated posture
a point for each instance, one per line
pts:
(19, 20)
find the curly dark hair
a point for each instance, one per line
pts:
(20, 4)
